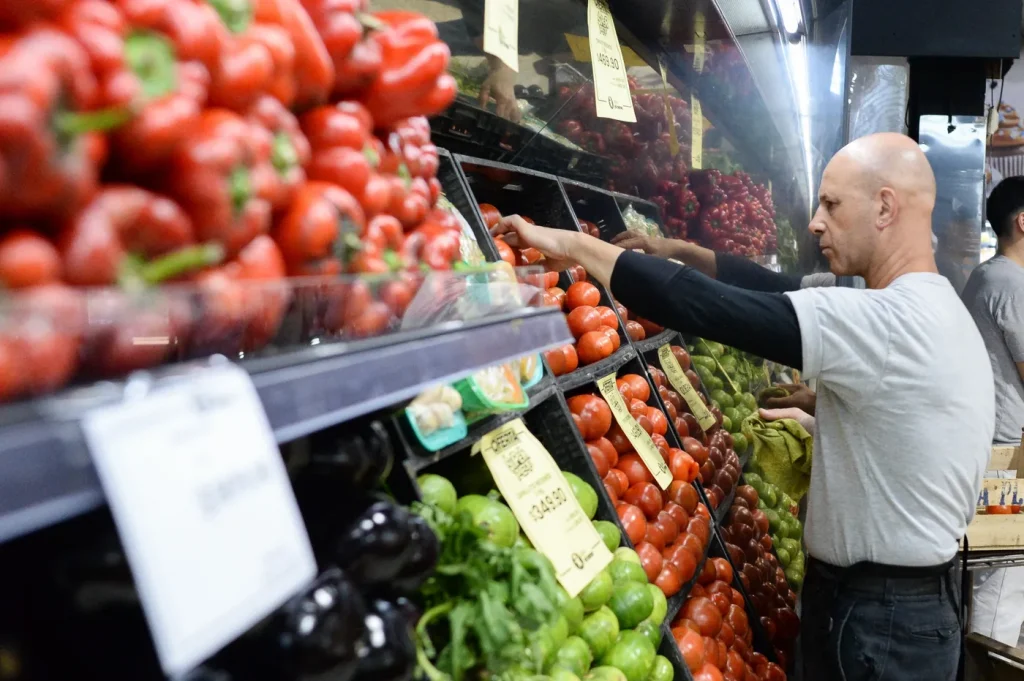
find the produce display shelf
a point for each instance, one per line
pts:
(761, 643)
(590, 373)
(675, 604)
(655, 342)
(722, 511)
(46, 475)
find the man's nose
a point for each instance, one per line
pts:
(816, 227)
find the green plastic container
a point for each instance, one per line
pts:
(476, 403)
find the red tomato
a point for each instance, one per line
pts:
(558, 294)
(612, 335)
(606, 446)
(682, 558)
(725, 634)
(694, 545)
(662, 444)
(659, 377)
(618, 480)
(684, 494)
(641, 388)
(646, 496)
(691, 646)
(571, 360)
(700, 527)
(577, 273)
(619, 440)
(682, 356)
(594, 346)
(594, 413)
(597, 455)
(711, 652)
(633, 521)
(655, 536)
(505, 251)
(635, 469)
(612, 494)
(490, 215)
(669, 580)
(635, 331)
(658, 420)
(650, 559)
(682, 430)
(683, 466)
(637, 408)
(695, 449)
(679, 515)
(645, 423)
(583, 319)
(625, 389)
(721, 602)
(707, 576)
(723, 569)
(774, 673)
(705, 614)
(708, 673)
(668, 526)
(671, 412)
(608, 317)
(703, 512)
(578, 422)
(556, 361)
(582, 293)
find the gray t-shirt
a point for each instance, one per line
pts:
(994, 295)
(905, 414)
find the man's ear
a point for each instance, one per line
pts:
(888, 208)
(1018, 223)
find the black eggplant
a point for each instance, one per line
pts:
(422, 559)
(377, 545)
(388, 646)
(355, 460)
(318, 632)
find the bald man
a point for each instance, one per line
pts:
(905, 405)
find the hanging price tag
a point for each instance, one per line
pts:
(204, 508)
(501, 31)
(611, 88)
(679, 381)
(637, 436)
(698, 42)
(696, 134)
(544, 505)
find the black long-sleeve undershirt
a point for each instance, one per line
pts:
(738, 271)
(678, 297)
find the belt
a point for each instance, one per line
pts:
(886, 579)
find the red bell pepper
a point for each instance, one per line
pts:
(222, 176)
(313, 70)
(50, 147)
(39, 340)
(192, 26)
(253, 58)
(321, 231)
(289, 149)
(413, 80)
(122, 234)
(17, 14)
(340, 137)
(356, 57)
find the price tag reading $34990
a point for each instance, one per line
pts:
(679, 381)
(611, 87)
(637, 436)
(543, 503)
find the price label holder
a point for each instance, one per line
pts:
(673, 138)
(699, 49)
(543, 503)
(696, 134)
(611, 87)
(501, 31)
(204, 508)
(637, 436)
(679, 381)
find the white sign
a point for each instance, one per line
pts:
(611, 86)
(501, 31)
(204, 508)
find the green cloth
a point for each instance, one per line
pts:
(782, 450)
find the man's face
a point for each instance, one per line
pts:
(844, 222)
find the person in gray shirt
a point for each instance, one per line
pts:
(994, 296)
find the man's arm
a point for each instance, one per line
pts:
(728, 269)
(675, 296)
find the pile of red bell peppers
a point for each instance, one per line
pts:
(227, 144)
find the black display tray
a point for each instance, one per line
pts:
(453, 183)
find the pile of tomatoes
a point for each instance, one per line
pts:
(749, 544)
(713, 631)
(669, 528)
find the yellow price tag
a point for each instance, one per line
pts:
(696, 134)
(698, 42)
(543, 503)
(673, 138)
(637, 436)
(501, 31)
(611, 88)
(679, 381)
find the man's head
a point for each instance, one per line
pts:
(876, 199)
(1005, 209)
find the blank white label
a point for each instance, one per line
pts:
(204, 508)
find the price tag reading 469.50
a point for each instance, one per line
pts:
(611, 87)
(679, 381)
(637, 436)
(543, 503)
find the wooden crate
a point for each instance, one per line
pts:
(1000, 532)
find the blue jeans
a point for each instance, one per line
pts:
(860, 627)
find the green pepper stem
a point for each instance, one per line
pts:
(151, 58)
(74, 123)
(370, 22)
(179, 262)
(236, 14)
(240, 187)
(282, 153)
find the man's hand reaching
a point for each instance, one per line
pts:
(798, 415)
(800, 397)
(552, 243)
(652, 245)
(500, 86)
